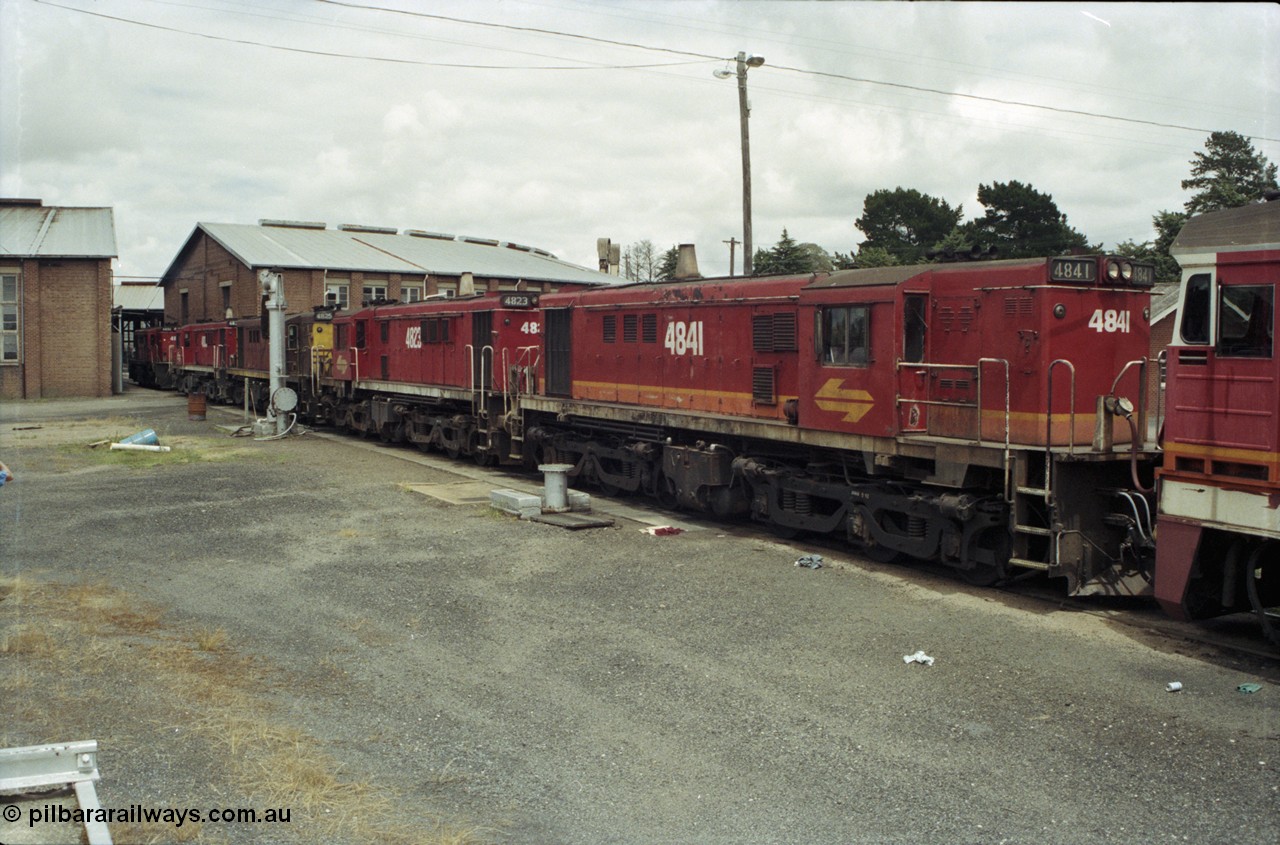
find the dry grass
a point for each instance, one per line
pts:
(58, 639)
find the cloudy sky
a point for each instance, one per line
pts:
(555, 122)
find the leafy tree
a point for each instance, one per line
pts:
(905, 222)
(844, 261)
(820, 261)
(666, 270)
(958, 240)
(1022, 222)
(786, 256)
(1228, 174)
(875, 256)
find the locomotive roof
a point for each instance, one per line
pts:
(871, 276)
(1231, 230)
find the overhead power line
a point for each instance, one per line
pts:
(803, 71)
(693, 56)
(386, 59)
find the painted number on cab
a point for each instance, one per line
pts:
(413, 337)
(530, 327)
(684, 338)
(1110, 321)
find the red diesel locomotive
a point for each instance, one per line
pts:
(1219, 522)
(968, 413)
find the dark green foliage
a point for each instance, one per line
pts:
(904, 223)
(1228, 174)
(1021, 222)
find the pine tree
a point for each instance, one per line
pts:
(1228, 174)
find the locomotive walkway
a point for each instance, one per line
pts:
(456, 671)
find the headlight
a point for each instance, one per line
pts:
(1126, 270)
(1113, 271)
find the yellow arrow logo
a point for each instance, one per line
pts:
(854, 403)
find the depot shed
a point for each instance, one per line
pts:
(55, 300)
(215, 274)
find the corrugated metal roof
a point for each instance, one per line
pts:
(30, 230)
(138, 297)
(370, 250)
(1232, 229)
(1164, 299)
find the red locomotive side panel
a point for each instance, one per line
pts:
(252, 347)
(969, 350)
(459, 344)
(1224, 406)
(208, 345)
(717, 347)
(1219, 508)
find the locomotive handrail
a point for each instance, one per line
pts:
(1142, 392)
(478, 395)
(355, 364)
(1008, 463)
(1048, 427)
(1048, 417)
(1162, 374)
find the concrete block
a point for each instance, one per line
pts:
(579, 502)
(514, 502)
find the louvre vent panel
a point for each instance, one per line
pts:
(762, 388)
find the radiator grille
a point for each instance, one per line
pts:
(762, 389)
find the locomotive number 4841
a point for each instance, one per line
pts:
(684, 338)
(1110, 321)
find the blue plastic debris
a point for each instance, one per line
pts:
(810, 562)
(1249, 687)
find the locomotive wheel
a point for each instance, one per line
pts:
(666, 493)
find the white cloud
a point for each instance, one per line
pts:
(175, 129)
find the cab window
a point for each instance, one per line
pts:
(1246, 316)
(1195, 309)
(846, 336)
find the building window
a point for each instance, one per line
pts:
(184, 308)
(337, 295)
(226, 300)
(411, 293)
(10, 322)
(447, 288)
(372, 293)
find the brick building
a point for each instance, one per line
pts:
(55, 300)
(215, 274)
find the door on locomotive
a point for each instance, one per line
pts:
(914, 381)
(557, 335)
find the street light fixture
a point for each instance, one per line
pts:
(744, 111)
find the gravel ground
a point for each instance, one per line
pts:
(288, 624)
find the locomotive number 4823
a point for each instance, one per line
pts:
(684, 338)
(1110, 321)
